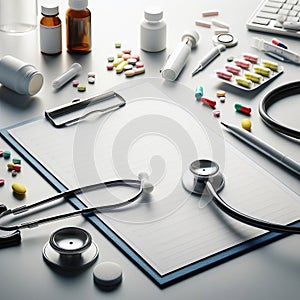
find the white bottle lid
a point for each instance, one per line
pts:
(153, 14)
(49, 11)
(78, 4)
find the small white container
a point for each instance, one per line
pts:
(19, 76)
(153, 31)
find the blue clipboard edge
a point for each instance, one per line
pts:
(162, 281)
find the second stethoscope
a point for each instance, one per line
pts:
(142, 184)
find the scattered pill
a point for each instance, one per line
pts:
(129, 73)
(210, 13)
(209, 102)
(233, 69)
(251, 57)
(75, 83)
(91, 74)
(132, 61)
(134, 71)
(243, 82)
(120, 55)
(262, 71)
(216, 113)
(118, 61)
(1, 152)
(126, 56)
(128, 67)
(271, 65)
(126, 51)
(17, 168)
(118, 45)
(137, 57)
(230, 58)
(107, 275)
(6, 154)
(221, 31)
(246, 124)
(139, 64)
(279, 43)
(109, 66)
(243, 109)
(222, 99)
(253, 77)
(221, 93)
(91, 80)
(199, 92)
(14, 173)
(202, 24)
(2, 181)
(224, 74)
(81, 88)
(242, 63)
(110, 59)
(10, 166)
(120, 67)
(219, 23)
(18, 188)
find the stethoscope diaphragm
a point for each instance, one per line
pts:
(70, 249)
(226, 39)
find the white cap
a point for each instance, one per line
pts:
(49, 11)
(153, 14)
(78, 4)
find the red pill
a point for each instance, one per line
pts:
(17, 168)
(209, 102)
(243, 109)
(139, 64)
(109, 66)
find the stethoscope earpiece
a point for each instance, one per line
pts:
(199, 173)
(70, 249)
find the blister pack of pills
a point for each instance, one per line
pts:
(249, 72)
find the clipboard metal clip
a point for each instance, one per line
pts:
(86, 106)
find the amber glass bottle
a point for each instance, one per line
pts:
(78, 27)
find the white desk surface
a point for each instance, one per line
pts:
(271, 272)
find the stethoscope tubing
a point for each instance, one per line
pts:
(68, 194)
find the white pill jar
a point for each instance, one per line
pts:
(19, 76)
(153, 31)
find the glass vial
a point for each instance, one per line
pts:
(153, 31)
(78, 27)
(19, 76)
(50, 31)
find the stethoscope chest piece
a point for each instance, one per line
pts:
(70, 249)
(200, 172)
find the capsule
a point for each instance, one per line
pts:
(233, 69)
(208, 102)
(242, 63)
(199, 92)
(224, 74)
(243, 109)
(262, 71)
(253, 77)
(271, 65)
(251, 57)
(243, 82)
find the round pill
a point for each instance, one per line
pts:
(221, 93)
(132, 61)
(137, 57)
(230, 58)
(128, 67)
(1, 153)
(91, 74)
(6, 154)
(91, 80)
(109, 66)
(216, 113)
(75, 83)
(126, 51)
(2, 181)
(14, 173)
(81, 88)
(18, 188)
(222, 99)
(246, 124)
(10, 166)
(139, 64)
(17, 168)
(16, 160)
(110, 59)
(117, 45)
(119, 55)
(107, 275)
(126, 56)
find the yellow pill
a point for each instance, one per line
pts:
(18, 188)
(120, 67)
(221, 93)
(10, 166)
(246, 124)
(118, 61)
(243, 82)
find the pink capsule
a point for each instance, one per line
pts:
(233, 69)
(251, 57)
(242, 63)
(224, 74)
(209, 102)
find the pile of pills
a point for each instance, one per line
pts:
(91, 78)
(249, 72)
(125, 62)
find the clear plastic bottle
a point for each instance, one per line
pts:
(78, 31)
(50, 31)
(153, 31)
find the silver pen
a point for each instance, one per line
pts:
(210, 56)
(263, 147)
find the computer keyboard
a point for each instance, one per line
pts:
(265, 17)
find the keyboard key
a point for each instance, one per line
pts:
(283, 12)
(267, 15)
(294, 2)
(274, 4)
(287, 6)
(292, 19)
(261, 21)
(273, 10)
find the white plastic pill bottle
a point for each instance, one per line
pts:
(153, 31)
(19, 76)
